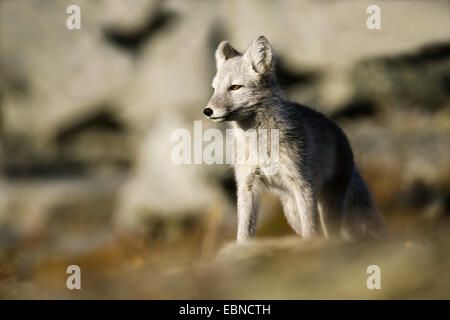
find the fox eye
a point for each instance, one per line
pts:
(235, 87)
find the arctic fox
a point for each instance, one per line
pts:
(317, 181)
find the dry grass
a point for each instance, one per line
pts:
(414, 264)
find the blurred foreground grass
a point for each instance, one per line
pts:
(414, 264)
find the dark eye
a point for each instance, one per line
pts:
(234, 87)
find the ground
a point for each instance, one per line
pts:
(414, 262)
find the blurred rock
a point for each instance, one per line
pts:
(413, 266)
(159, 187)
(52, 207)
(59, 74)
(105, 99)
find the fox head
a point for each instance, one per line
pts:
(242, 81)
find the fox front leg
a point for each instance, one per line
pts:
(247, 208)
(308, 211)
(291, 212)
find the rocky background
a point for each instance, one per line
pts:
(85, 123)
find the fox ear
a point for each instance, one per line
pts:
(224, 52)
(260, 55)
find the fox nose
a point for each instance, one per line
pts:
(208, 112)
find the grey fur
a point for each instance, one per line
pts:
(317, 180)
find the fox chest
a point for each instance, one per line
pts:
(253, 177)
(260, 161)
(265, 176)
